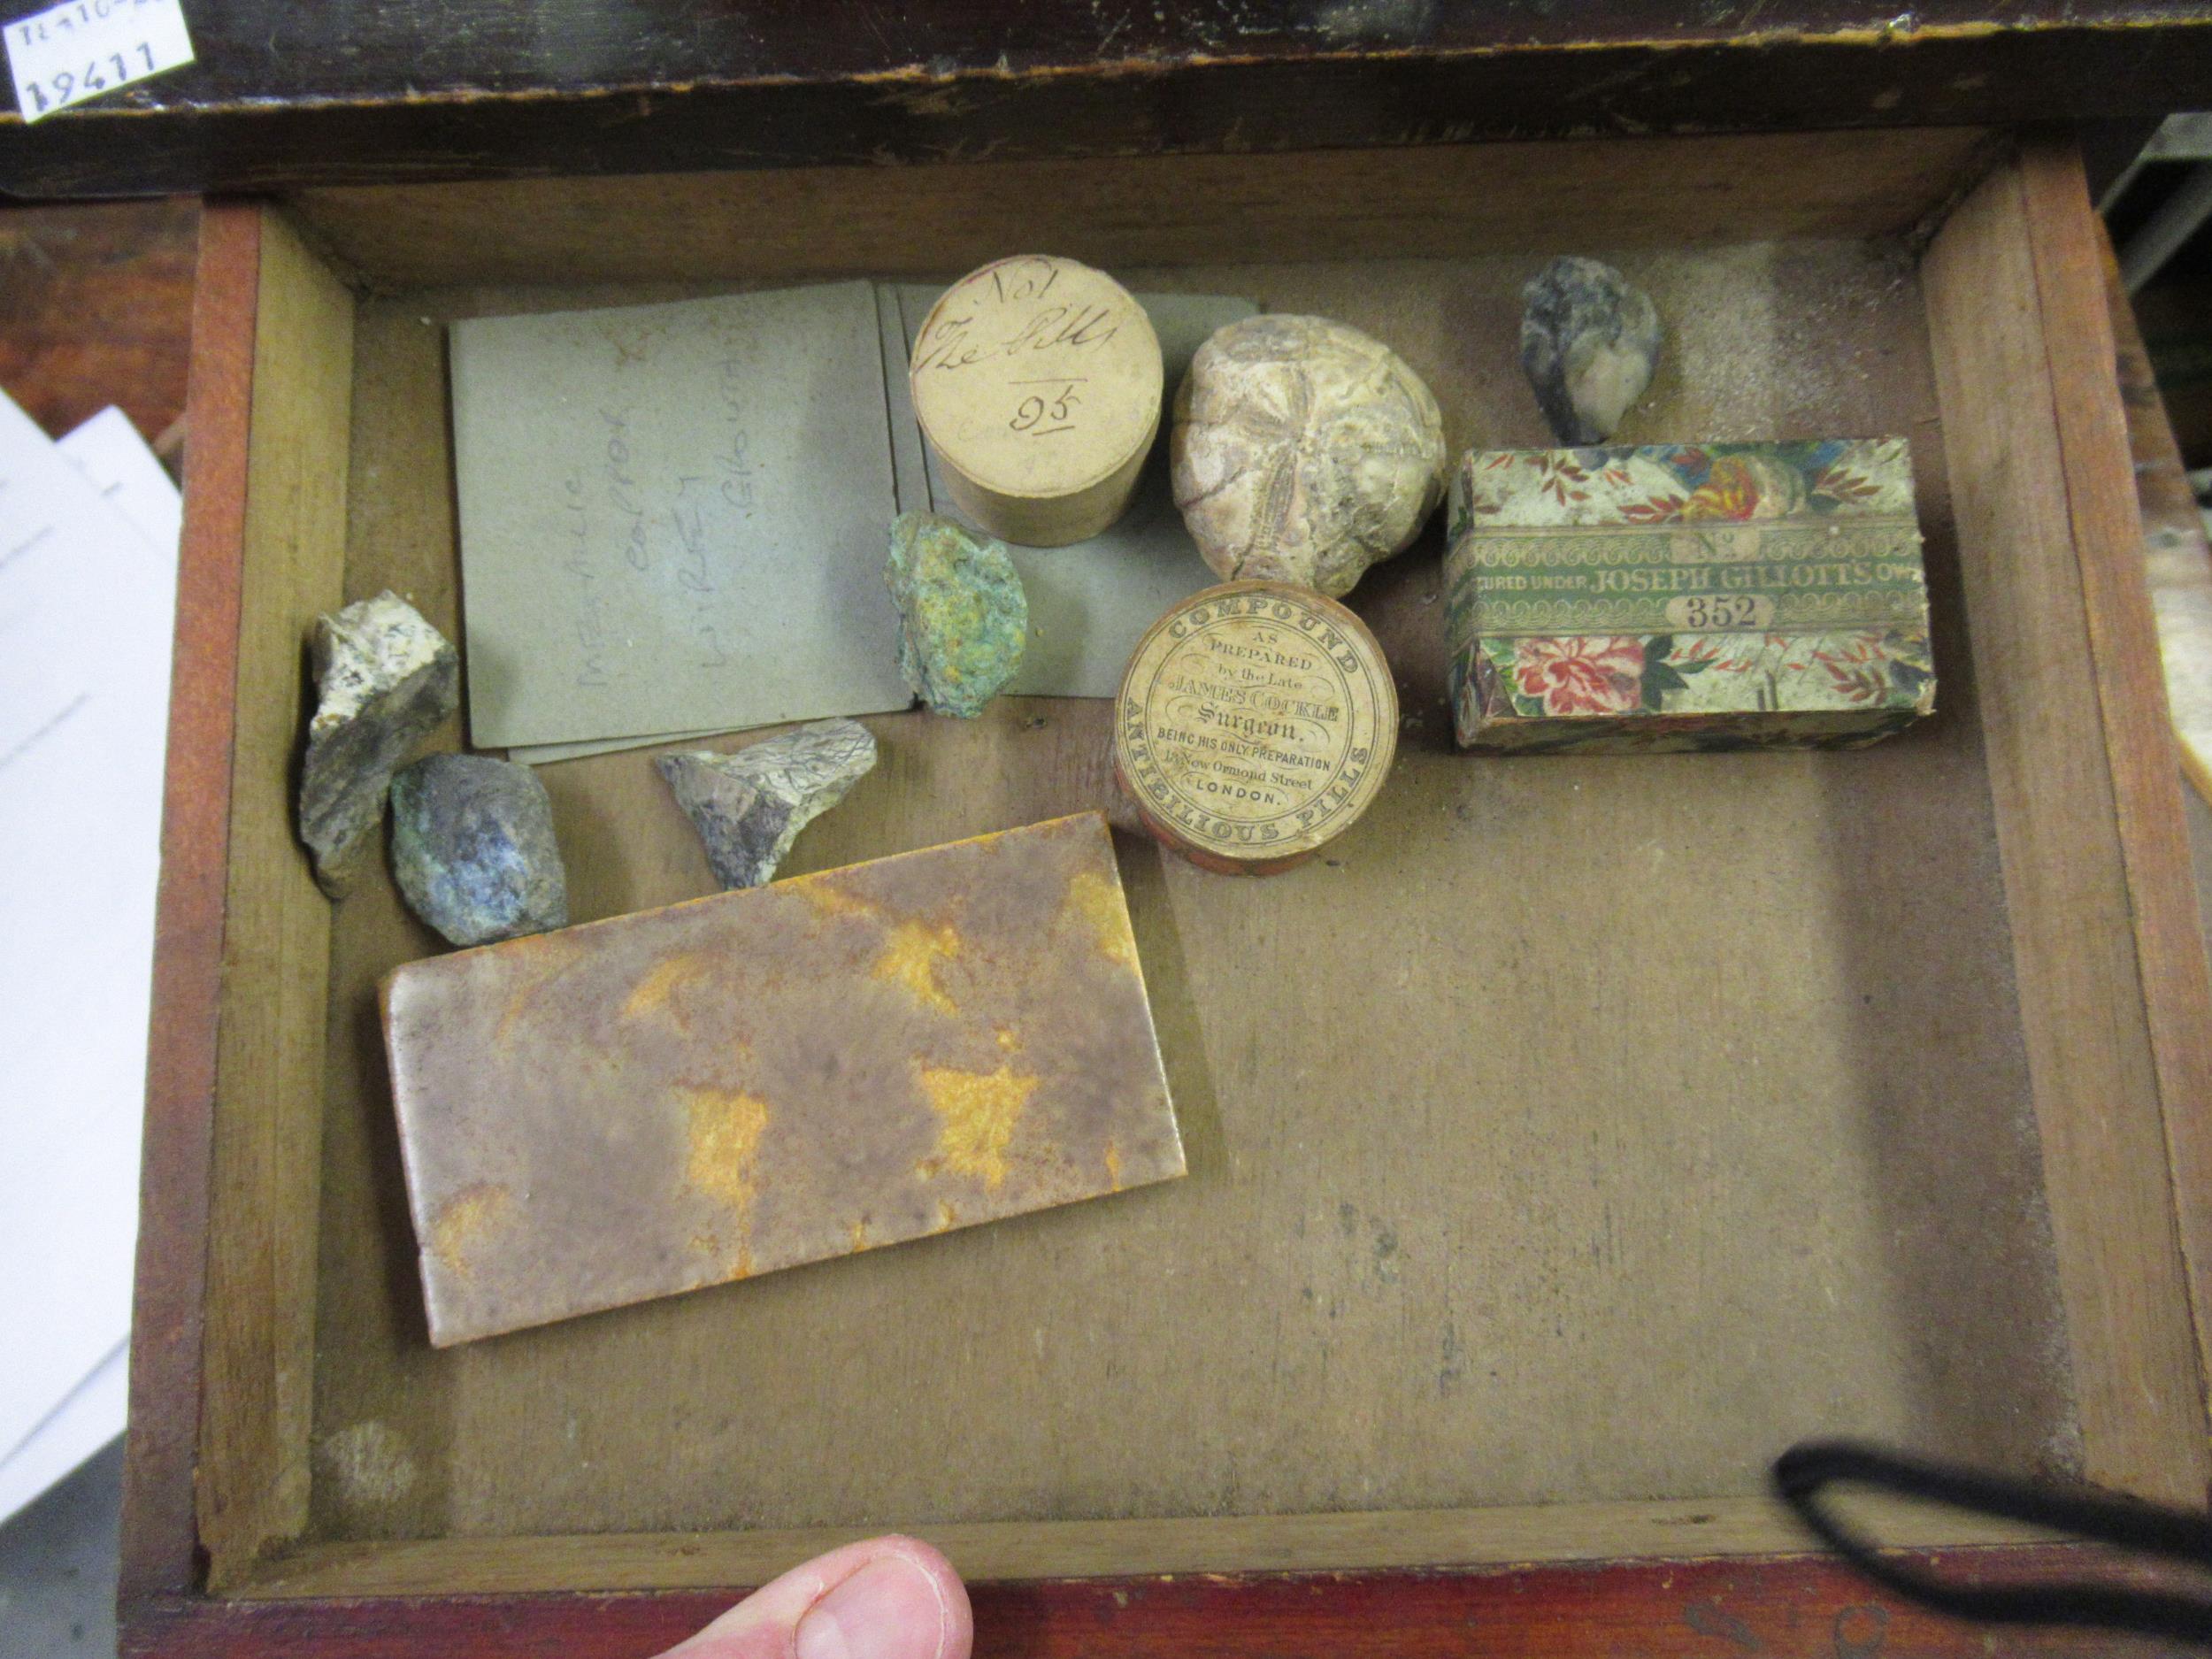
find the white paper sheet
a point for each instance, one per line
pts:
(84, 49)
(108, 450)
(86, 606)
(90, 1417)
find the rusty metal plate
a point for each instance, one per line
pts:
(691, 1095)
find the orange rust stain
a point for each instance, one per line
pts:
(548, 956)
(826, 895)
(858, 1234)
(662, 980)
(977, 1114)
(910, 957)
(724, 1126)
(1096, 901)
(948, 1218)
(1113, 1166)
(465, 1220)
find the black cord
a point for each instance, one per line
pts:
(2146, 1529)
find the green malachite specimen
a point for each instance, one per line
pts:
(963, 617)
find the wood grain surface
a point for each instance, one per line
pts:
(2138, 735)
(2177, 562)
(802, 224)
(160, 1531)
(1493, 1257)
(1788, 1608)
(1515, 1244)
(95, 302)
(423, 89)
(257, 1361)
(1375, 1540)
(2031, 555)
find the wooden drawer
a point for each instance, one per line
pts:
(1576, 1136)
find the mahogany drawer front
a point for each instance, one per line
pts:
(1653, 1113)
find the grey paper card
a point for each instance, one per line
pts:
(673, 517)
(1089, 604)
(546, 754)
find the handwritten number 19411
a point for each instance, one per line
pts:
(63, 84)
(83, 49)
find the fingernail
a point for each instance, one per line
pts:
(889, 1609)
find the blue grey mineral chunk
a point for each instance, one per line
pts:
(751, 806)
(1589, 341)
(473, 847)
(384, 679)
(963, 616)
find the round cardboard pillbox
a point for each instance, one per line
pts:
(1256, 722)
(1038, 382)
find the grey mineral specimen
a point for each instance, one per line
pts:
(751, 806)
(384, 677)
(1303, 451)
(473, 847)
(963, 616)
(1589, 341)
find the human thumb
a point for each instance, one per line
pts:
(888, 1598)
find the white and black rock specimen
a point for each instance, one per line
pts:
(1303, 451)
(473, 847)
(384, 677)
(1589, 341)
(751, 806)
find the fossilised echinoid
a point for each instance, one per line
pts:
(1303, 451)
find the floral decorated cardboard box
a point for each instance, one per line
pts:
(1672, 596)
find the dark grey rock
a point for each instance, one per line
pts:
(384, 677)
(1589, 341)
(473, 847)
(751, 806)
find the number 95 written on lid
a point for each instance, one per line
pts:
(1038, 382)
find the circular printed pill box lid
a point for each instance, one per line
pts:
(1037, 376)
(1256, 721)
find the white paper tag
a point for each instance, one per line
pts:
(83, 48)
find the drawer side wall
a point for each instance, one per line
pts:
(258, 1355)
(2011, 402)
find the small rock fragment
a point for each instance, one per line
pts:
(384, 677)
(751, 806)
(473, 847)
(1589, 341)
(1303, 451)
(963, 617)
